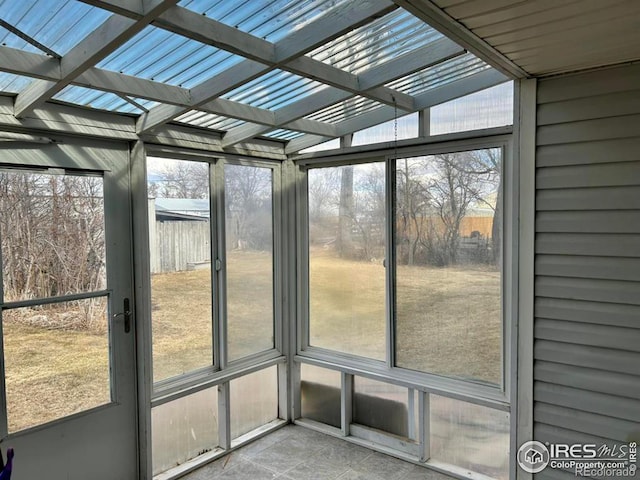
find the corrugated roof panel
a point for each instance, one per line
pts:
(95, 99)
(57, 24)
(209, 120)
(274, 90)
(268, 19)
(11, 83)
(345, 110)
(157, 54)
(282, 134)
(394, 34)
(143, 102)
(438, 75)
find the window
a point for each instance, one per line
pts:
(56, 348)
(249, 255)
(180, 257)
(212, 232)
(445, 279)
(448, 236)
(346, 253)
(405, 261)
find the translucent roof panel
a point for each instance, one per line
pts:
(268, 19)
(57, 24)
(438, 75)
(11, 83)
(492, 107)
(329, 145)
(96, 99)
(345, 110)
(209, 120)
(406, 127)
(282, 134)
(274, 90)
(395, 34)
(166, 57)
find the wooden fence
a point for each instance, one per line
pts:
(177, 245)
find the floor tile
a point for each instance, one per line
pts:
(298, 453)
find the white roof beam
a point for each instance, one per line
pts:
(436, 96)
(351, 14)
(127, 8)
(20, 62)
(371, 80)
(424, 57)
(203, 93)
(94, 47)
(288, 114)
(326, 28)
(337, 78)
(119, 83)
(43, 67)
(211, 32)
(436, 17)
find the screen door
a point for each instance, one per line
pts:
(68, 383)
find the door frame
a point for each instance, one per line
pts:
(61, 445)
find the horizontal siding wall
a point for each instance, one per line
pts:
(587, 286)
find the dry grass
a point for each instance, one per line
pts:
(448, 323)
(448, 319)
(182, 318)
(51, 374)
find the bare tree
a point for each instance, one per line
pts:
(344, 242)
(248, 202)
(183, 179)
(52, 230)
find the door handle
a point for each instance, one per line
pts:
(126, 314)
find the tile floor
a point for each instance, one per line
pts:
(297, 453)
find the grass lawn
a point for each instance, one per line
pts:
(448, 323)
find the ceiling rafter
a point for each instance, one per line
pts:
(285, 54)
(326, 28)
(372, 79)
(29, 39)
(40, 66)
(259, 57)
(94, 47)
(465, 86)
(430, 13)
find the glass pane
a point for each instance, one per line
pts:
(448, 241)
(381, 405)
(180, 256)
(52, 229)
(254, 401)
(346, 254)
(488, 108)
(405, 127)
(470, 436)
(184, 429)
(249, 246)
(56, 360)
(320, 392)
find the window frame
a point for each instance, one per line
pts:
(499, 396)
(221, 371)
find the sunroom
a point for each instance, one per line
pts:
(406, 226)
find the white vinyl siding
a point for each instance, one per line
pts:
(587, 264)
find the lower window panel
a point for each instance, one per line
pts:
(184, 428)
(470, 436)
(320, 395)
(254, 401)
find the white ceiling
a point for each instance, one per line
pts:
(543, 37)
